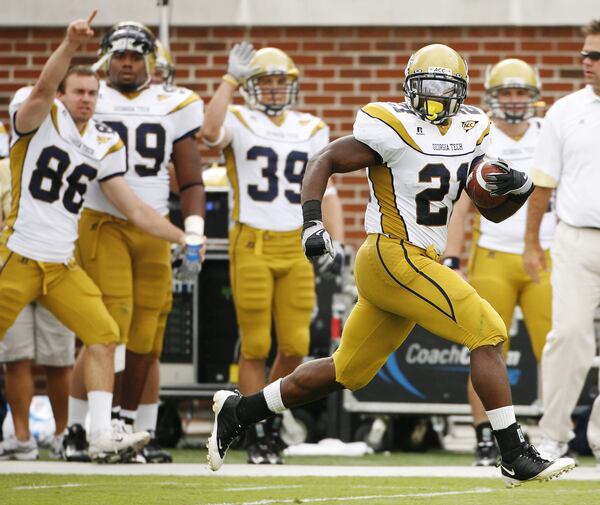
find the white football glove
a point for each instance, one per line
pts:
(316, 241)
(240, 56)
(331, 266)
(511, 182)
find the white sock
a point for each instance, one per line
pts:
(130, 415)
(273, 397)
(100, 408)
(78, 410)
(501, 418)
(147, 415)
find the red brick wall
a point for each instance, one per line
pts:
(341, 69)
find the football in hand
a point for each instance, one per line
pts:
(477, 188)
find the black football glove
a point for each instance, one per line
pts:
(511, 182)
(316, 242)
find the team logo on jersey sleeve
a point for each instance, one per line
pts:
(469, 125)
(101, 139)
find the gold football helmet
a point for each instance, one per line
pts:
(128, 36)
(512, 73)
(165, 68)
(436, 82)
(270, 61)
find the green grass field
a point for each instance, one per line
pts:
(41, 489)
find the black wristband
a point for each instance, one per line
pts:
(311, 211)
(452, 262)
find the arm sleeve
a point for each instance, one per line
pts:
(547, 160)
(483, 145)
(378, 135)
(18, 100)
(319, 140)
(188, 117)
(114, 162)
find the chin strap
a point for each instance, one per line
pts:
(96, 66)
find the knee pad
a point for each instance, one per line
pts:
(302, 291)
(256, 347)
(253, 288)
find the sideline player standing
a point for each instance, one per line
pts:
(414, 180)
(266, 146)
(133, 269)
(496, 260)
(566, 160)
(56, 153)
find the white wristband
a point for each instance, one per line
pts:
(273, 397)
(219, 138)
(194, 224)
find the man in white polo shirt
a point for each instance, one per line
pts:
(566, 159)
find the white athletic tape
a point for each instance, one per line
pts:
(119, 358)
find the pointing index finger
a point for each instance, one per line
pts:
(91, 16)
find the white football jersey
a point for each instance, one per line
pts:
(422, 172)
(52, 168)
(266, 162)
(150, 122)
(509, 235)
(4, 138)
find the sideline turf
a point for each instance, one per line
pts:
(101, 490)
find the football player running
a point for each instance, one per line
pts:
(266, 146)
(418, 155)
(58, 152)
(512, 88)
(132, 268)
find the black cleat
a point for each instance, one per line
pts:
(154, 453)
(486, 454)
(226, 427)
(257, 444)
(75, 445)
(275, 443)
(529, 466)
(258, 453)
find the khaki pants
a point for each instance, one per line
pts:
(571, 344)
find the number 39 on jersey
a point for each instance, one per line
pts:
(266, 163)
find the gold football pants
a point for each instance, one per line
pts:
(133, 271)
(400, 285)
(501, 279)
(271, 280)
(65, 290)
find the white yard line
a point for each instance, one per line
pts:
(202, 470)
(367, 497)
(259, 488)
(56, 486)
